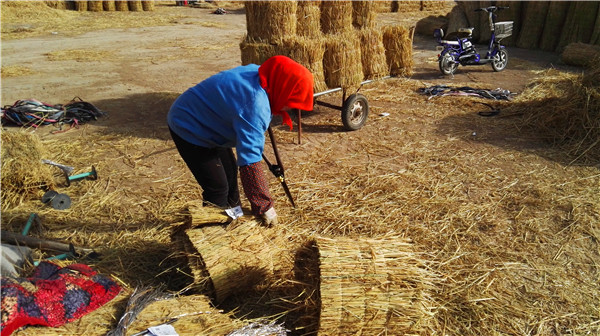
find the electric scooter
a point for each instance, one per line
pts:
(456, 48)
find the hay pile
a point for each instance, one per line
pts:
(23, 175)
(565, 107)
(336, 40)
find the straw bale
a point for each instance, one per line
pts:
(253, 52)
(372, 53)
(81, 6)
(579, 24)
(148, 5)
(409, 6)
(194, 313)
(595, 39)
(270, 21)
(309, 19)
(309, 53)
(23, 175)
(426, 25)
(121, 6)
(336, 16)
(397, 41)
(342, 60)
(95, 6)
(135, 5)
(363, 14)
(239, 256)
(552, 26)
(580, 54)
(513, 13)
(109, 6)
(97, 323)
(373, 287)
(532, 28)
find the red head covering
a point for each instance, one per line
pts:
(287, 84)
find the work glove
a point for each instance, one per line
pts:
(269, 218)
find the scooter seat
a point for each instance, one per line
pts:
(458, 35)
(451, 42)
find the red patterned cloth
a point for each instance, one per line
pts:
(256, 188)
(53, 296)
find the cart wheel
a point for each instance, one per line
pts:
(355, 112)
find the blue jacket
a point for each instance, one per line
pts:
(228, 109)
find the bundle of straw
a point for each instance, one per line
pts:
(109, 6)
(121, 5)
(135, 5)
(309, 53)
(270, 21)
(236, 257)
(148, 5)
(363, 14)
(253, 52)
(23, 173)
(532, 28)
(372, 53)
(342, 61)
(81, 6)
(309, 18)
(580, 54)
(373, 287)
(95, 6)
(336, 16)
(398, 50)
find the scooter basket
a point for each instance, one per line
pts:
(503, 29)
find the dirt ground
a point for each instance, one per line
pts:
(459, 172)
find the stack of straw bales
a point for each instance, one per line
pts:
(23, 173)
(229, 259)
(336, 40)
(106, 6)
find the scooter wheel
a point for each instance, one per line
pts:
(500, 60)
(447, 64)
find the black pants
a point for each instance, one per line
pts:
(215, 169)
